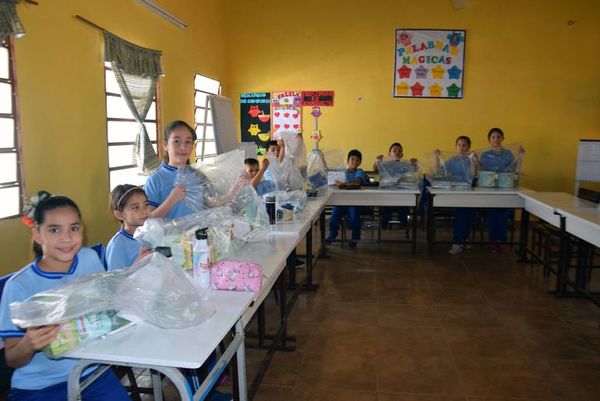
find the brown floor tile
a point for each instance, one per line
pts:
(302, 393)
(418, 397)
(364, 294)
(284, 368)
(340, 372)
(482, 342)
(348, 313)
(570, 380)
(493, 377)
(392, 317)
(418, 374)
(268, 392)
(332, 341)
(537, 318)
(468, 316)
(558, 344)
(412, 341)
(458, 295)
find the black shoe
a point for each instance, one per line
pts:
(299, 262)
(352, 244)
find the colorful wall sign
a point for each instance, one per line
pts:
(317, 98)
(286, 112)
(429, 63)
(255, 118)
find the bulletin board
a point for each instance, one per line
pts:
(429, 63)
(255, 118)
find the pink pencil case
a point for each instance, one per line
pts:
(236, 275)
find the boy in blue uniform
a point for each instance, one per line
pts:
(355, 178)
(256, 173)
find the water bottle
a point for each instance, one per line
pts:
(201, 259)
(270, 202)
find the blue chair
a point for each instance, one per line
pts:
(100, 249)
(5, 371)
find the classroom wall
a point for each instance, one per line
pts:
(528, 70)
(61, 96)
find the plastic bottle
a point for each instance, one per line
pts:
(270, 202)
(201, 259)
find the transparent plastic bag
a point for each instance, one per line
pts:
(316, 169)
(295, 149)
(153, 290)
(500, 168)
(398, 174)
(197, 186)
(285, 176)
(336, 160)
(449, 169)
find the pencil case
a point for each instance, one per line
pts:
(236, 275)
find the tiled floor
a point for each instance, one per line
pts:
(387, 326)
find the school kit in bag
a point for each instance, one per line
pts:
(236, 275)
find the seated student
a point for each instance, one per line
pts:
(355, 177)
(60, 258)
(256, 174)
(130, 207)
(498, 159)
(461, 167)
(276, 151)
(395, 153)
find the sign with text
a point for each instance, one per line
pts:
(317, 98)
(429, 63)
(255, 118)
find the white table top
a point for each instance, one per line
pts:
(373, 197)
(478, 197)
(478, 191)
(184, 348)
(560, 200)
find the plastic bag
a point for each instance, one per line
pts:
(295, 149)
(398, 174)
(153, 289)
(316, 169)
(285, 176)
(449, 169)
(197, 186)
(500, 168)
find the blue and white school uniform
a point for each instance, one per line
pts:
(42, 375)
(122, 250)
(352, 211)
(158, 187)
(459, 169)
(264, 187)
(497, 217)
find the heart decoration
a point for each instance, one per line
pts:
(276, 126)
(286, 115)
(286, 126)
(276, 114)
(295, 115)
(296, 125)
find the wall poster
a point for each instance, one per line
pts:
(429, 63)
(255, 118)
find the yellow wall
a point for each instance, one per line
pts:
(527, 71)
(61, 96)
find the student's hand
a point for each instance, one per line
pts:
(265, 163)
(37, 338)
(413, 161)
(177, 193)
(379, 158)
(281, 143)
(338, 184)
(144, 252)
(473, 156)
(437, 154)
(521, 150)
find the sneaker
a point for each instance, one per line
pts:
(352, 244)
(455, 248)
(501, 248)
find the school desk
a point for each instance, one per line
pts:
(380, 198)
(477, 197)
(165, 350)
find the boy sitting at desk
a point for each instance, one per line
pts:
(355, 178)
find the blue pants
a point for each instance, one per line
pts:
(386, 214)
(353, 219)
(462, 224)
(498, 224)
(105, 388)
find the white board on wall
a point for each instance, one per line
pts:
(588, 161)
(224, 124)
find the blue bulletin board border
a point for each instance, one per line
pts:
(422, 54)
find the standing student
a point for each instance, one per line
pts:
(462, 168)
(57, 235)
(130, 207)
(355, 177)
(498, 159)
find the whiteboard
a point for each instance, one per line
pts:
(224, 125)
(588, 160)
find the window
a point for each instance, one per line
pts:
(11, 184)
(206, 148)
(121, 130)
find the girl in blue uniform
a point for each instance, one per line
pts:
(498, 159)
(60, 258)
(130, 206)
(461, 168)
